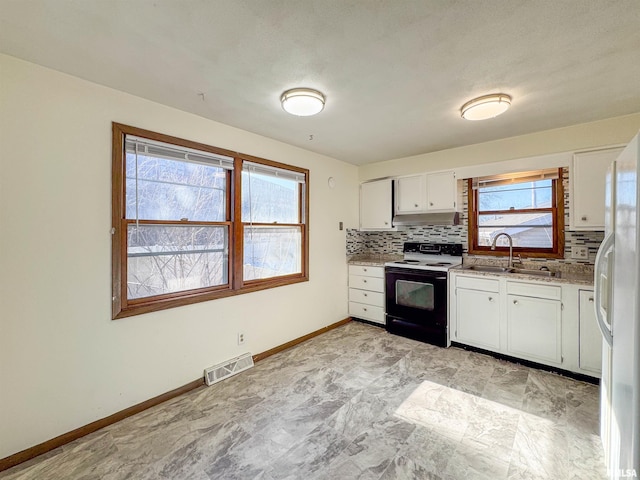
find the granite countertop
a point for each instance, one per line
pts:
(570, 274)
(573, 277)
(373, 260)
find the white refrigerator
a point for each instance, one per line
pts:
(617, 304)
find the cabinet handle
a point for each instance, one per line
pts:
(515, 302)
(364, 269)
(364, 281)
(491, 299)
(431, 204)
(364, 308)
(365, 294)
(386, 223)
(584, 218)
(591, 299)
(415, 205)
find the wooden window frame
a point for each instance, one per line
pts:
(123, 307)
(557, 211)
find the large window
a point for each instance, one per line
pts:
(528, 206)
(193, 222)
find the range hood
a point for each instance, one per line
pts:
(423, 219)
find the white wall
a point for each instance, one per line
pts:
(63, 361)
(612, 131)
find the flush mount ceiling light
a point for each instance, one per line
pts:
(302, 101)
(485, 107)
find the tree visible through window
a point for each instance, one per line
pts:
(528, 206)
(185, 230)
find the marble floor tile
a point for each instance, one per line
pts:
(373, 449)
(310, 457)
(402, 468)
(507, 384)
(353, 403)
(545, 395)
(429, 449)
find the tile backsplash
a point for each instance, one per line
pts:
(376, 243)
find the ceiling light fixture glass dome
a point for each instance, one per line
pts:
(487, 106)
(302, 102)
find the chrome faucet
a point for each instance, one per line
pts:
(493, 246)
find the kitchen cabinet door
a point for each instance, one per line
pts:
(411, 194)
(478, 318)
(376, 205)
(586, 188)
(534, 328)
(590, 339)
(441, 191)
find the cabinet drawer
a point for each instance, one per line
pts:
(552, 292)
(364, 296)
(367, 312)
(478, 283)
(366, 271)
(366, 283)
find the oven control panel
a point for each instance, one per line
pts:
(453, 249)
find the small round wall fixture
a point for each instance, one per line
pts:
(487, 106)
(302, 102)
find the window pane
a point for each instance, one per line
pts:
(415, 295)
(533, 230)
(173, 190)
(272, 251)
(166, 259)
(517, 196)
(267, 199)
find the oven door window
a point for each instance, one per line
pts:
(415, 295)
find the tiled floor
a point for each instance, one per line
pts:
(354, 403)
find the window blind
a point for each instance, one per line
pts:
(168, 151)
(515, 178)
(268, 170)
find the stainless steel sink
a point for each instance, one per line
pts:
(489, 268)
(521, 271)
(539, 273)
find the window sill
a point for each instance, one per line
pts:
(140, 308)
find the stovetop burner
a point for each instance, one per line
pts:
(430, 256)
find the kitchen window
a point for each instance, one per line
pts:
(193, 222)
(529, 206)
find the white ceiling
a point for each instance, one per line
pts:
(395, 72)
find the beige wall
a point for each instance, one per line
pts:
(613, 131)
(64, 362)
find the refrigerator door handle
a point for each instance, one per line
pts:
(603, 252)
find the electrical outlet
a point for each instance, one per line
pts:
(240, 338)
(580, 252)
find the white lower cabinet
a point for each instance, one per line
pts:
(478, 316)
(366, 293)
(547, 323)
(590, 344)
(534, 328)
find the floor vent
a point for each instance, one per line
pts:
(227, 369)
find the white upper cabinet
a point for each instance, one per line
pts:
(441, 191)
(428, 192)
(411, 194)
(586, 188)
(376, 200)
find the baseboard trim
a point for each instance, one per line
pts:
(44, 447)
(296, 341)
(528, 363)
